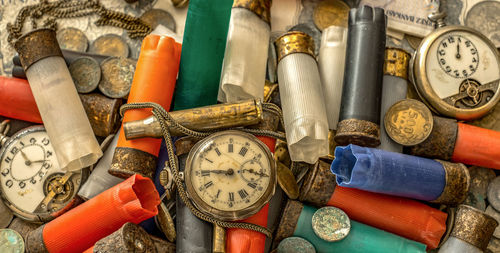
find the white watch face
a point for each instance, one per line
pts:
(26, 163)
(231, 172)
(461, 62)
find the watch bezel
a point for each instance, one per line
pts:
(223, 214)
(424, 88)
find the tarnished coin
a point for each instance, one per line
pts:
(86, 74)
(408, 122)
(164, 219)
(117, 75)
(312, 31)
(331, 224)
(6, 215)
(494, 193)
(287, 181)
(496, 215)
(110, 45)
(413, 41)
(295, 245)
(11, 241)
(484, 17)
(156, 17)
(331, 12)
(72, 39)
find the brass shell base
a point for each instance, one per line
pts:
(319, 185)
(288, 221)
(261, 8)
(441, 142)
(359, 132)
(473, 226)
(34, 241)
(36, 45)
(129, 238)
(129, 161)
(457, 184)
(103, 113)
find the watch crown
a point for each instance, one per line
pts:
(4, 129)
(438, 18)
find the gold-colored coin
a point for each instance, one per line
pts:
(110, 45)
(72, 39)
(287, 181)
(166, 223)
(408, 122)
(331, 12)
(155, 17)
(413, 41)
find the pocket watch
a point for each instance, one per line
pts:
(456, 71)
(230, 175)
(32, 184)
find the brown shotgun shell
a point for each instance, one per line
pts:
(261, 8)
(36, 45)
(103, 113)
(129, 238)
(129, 161)
(457, 184)
(359, 132)
(441, 142)
(319, 185)
(162, 245)
(473, 226)
(34, 241)
(288, 221)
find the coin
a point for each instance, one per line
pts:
(496, 215)
(494, 193)
(331, 224)
(331, 12)
(155, 17)
(6, 215)
(480, 178)
(413, 41)
(312, 31)
(295, 245)
(86, 74)
(287, 181)
(408, 122)
(166, 223)
(484, 17)
(11, 241)
(72, 39)
(110, 45)
(117, 75)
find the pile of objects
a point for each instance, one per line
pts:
(255, 126)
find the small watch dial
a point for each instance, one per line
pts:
(231, 172)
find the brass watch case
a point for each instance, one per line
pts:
(77, 180)
(229, 215)
(424, 88)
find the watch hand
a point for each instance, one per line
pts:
(458, 51)
(26, 159)
(256, 173)
(39, 161)
(52, 193)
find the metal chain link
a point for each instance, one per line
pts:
(163, 117)
(136, 27)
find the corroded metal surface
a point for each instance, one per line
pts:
(473, 226)
(208, 118)
(129, 238)
(117, 76)
(294, 42)
(261, 8)
(441, 142)
(289, 220)
(270, 121)
(183, 145)
(34, 241)
(331, 224)
(23, 227)
(396, 62)
(36, 45)
(155, 17)
(295, 245)
(331, 12)
(86, 74)
(457, 184)
(319, 185)
(103, 113)
(110, 45)
(360, 132)
(129, 161)
(408, 122)
(72, 39)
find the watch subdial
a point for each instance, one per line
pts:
(472, 94)
(252, 171)
(64, 192)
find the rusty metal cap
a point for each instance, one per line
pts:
(319, 185)
(261, 8)
(473, 226)
(183, 145)
(270, 122)
(36, 45)
(359, 132)
(396, 62)
(129, 238)
(457, 184)
(34, 241)
(294, 42)
(289, 220)
(441, 142)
